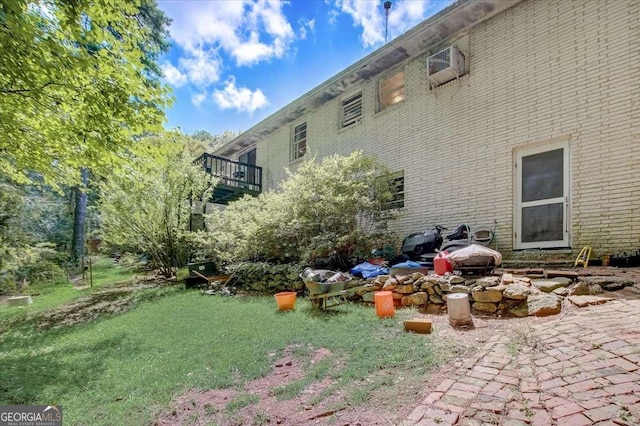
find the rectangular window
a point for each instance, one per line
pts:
(542, 191)
(391, 90)
(352, 110)
(299, 142)
(396, 186)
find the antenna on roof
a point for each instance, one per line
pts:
(387, 6)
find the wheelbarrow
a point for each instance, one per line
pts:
(329, 294)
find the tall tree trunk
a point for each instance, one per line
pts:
(79, 215)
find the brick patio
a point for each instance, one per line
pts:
(581, 369)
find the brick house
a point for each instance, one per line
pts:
(522, 112)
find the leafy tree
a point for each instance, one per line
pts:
(76, 86)
(206, 142)
(337, 206)
(148, 208)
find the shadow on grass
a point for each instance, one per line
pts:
(26, 376)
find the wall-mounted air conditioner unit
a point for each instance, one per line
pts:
(445, 66)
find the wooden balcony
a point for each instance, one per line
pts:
(235, 178)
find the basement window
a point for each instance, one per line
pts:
(352, 110)
(299, 142)
(391, 90)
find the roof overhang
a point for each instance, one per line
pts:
(428, 35)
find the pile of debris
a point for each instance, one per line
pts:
(507, 295)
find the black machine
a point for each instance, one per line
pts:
(423, 246)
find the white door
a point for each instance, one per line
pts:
(542, 197)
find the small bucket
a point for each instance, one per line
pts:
(459, 309)
(286, 300)
(384, 304)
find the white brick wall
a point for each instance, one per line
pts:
(543, 69)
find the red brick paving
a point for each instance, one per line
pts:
(581, 369)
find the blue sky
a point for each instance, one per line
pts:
(234, 62)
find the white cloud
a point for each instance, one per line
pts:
(250, 31)
(405, 15)
(306, 26)
(370, 15)
(173, 75)
(201, 66)
(239, 98)
(198, 98)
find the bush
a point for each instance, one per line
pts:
(337, 206)
(33, 265)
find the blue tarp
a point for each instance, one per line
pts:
(407, 264)
(368, 270)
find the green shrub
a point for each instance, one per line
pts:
(337, 206)
(31, 265)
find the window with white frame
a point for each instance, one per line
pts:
(299, 141)
(352, 110)
(542, 196)
(391, 90)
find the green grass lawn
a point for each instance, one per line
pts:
(54, 294)
(126, 369)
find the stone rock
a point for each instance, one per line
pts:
(524, 283)
(417, 276)
(507, 278)
(397, 296)
(579, 289)
(506, 305)
(550, 273)
(488, 281)
(445, 286)
(435, 298)
(470, 282)
(390, 284)
(521, 310)
(582, 301)
(544, 304)
(595, 289)
(403, 279)
(487, 295)
(562, 291)
(431, 291)
(455, 279)
(427, 284)
(616, 283)
(361, 291)
(405, 289)
(432, 279)
(613, 286)
(484, 307)
(368, 297)
(381, 279)
(437, 289)
(525, 279)
(534, 290)
(415, 299)
(516, 291)
(459, 288)
(549, 285)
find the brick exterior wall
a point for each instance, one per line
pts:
(542, 71)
